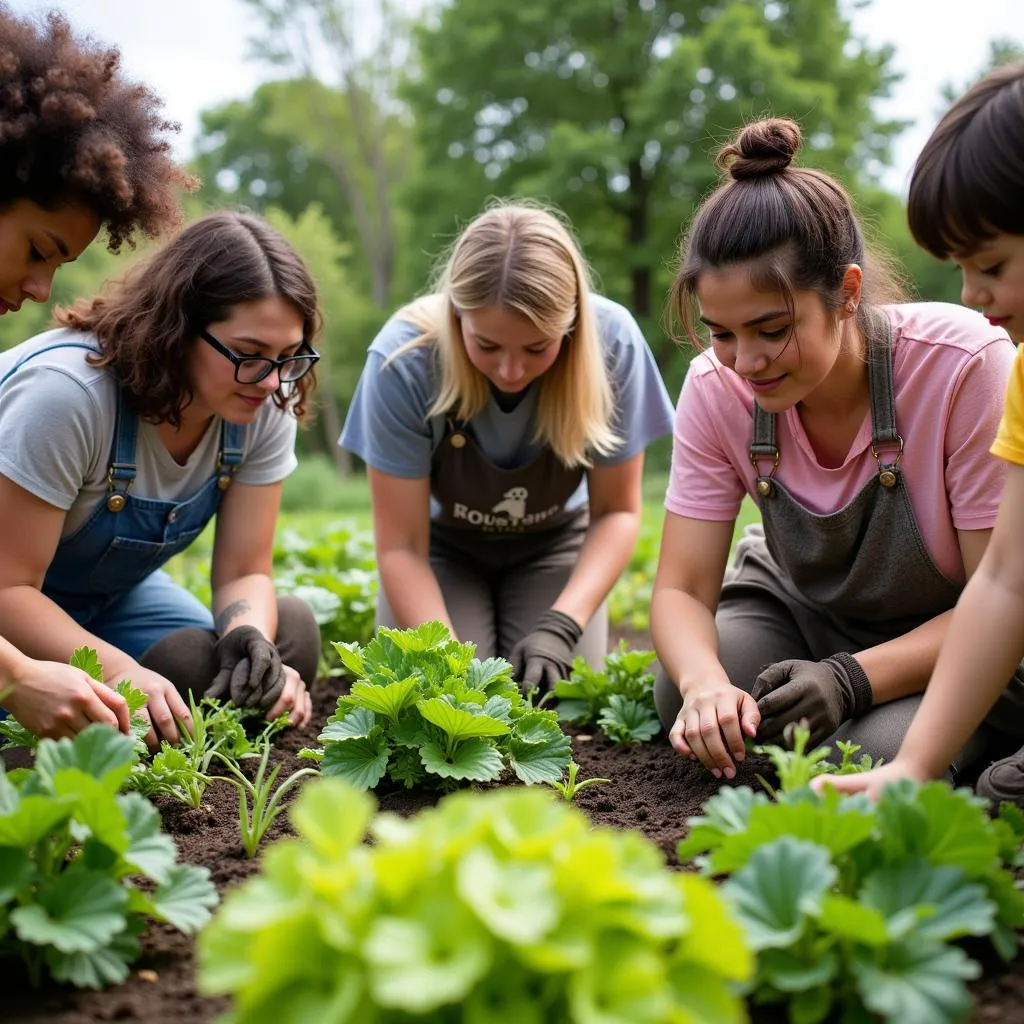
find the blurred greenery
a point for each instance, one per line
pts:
(375, 135)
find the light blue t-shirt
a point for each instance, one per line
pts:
(389, 429)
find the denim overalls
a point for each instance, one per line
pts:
(107, 575)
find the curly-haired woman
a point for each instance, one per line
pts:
(171, 399)
(81, 148)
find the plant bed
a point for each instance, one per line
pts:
(652, 790)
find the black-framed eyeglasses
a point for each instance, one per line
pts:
(253, 369)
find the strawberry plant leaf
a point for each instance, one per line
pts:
(389, 700)
(919, 982)
(148, 850)
(779, 886)
(356, 725)
(185, 898)
(542, 757)
(359, 761)
(474, 759)
(88, 661)
(79, 912)
(99, 751)
(97, 968)
(457, 723)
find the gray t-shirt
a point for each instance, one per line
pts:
(388, 427)
(57, 428)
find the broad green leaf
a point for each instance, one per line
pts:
(98, 750)
(427, 636)
(512, 995)
(351, 657)
(458, 724)
(433, 960)
(726, 813)
(789, 971)
(515, 902)
(489, 675)
(573, 710)
(16, 870)
(34, 818)
(331, 816)
(88, 661)
(851, 921)
(952, 906)
(135, 699)
(186, 898)
(626, 983)
(80, 912)
(96, 808)
(360, 762)
(100, 967)
(939, 824)
(356, 725)
(14, 734)
(920, 982)
(149, 851)
(703, 998)
(714, 940)
(388, 700)
(781, 883)
(475, 759)
(541, 760)
(820, 821)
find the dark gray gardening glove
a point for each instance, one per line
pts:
(826, 693)
(544, 656)
(249, 669)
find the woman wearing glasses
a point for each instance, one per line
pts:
(170, 399)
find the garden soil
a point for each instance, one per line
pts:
(654, 791)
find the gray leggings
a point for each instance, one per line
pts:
(757, 628)
(186, 656)
(495, 588)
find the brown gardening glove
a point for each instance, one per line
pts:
(825, 693)
(544, 656)
(249, 669)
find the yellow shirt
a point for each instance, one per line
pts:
(1009, 442)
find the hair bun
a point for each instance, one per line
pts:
(763, 147)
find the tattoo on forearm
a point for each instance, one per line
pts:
(232, 611)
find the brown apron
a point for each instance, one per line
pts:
(481, 503)
(864, 568)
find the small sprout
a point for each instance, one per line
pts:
(570, 787)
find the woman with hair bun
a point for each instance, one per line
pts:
(504, 419)
(861, 426)
(81, 148)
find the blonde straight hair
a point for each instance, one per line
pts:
(523, 259)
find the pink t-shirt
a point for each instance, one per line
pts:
(950, 368)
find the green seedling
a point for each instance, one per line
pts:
(570, 787)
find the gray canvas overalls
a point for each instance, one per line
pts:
(808, 586)
(503, 544)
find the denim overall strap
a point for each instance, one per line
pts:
(229, 455)
(48, 348)
(121, 470)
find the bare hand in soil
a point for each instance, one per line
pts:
(294, 698)
(711, 726)
(164, 706)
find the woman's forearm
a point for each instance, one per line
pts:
(606, 551)
(903, 666)
(685, 639)
(246, 601)
(412, 589)
(40, 628)
(984, 645)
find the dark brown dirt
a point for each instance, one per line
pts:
(653, 791)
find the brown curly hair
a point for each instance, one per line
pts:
(73, 129)
(146, 324)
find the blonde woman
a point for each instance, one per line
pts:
(503, 420)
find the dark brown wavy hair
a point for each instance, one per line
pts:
(796, 224)
(966, 185)
(146, 324)
(73, 129)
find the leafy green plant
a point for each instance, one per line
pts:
(619, 697)
(70, 847)
(503, 906)
(259, 803)
(796, 765)
(853, 905)
(570, 787)
(423, 710)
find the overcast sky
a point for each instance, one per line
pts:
(193, 52)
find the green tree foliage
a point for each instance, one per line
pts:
(611, 109)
